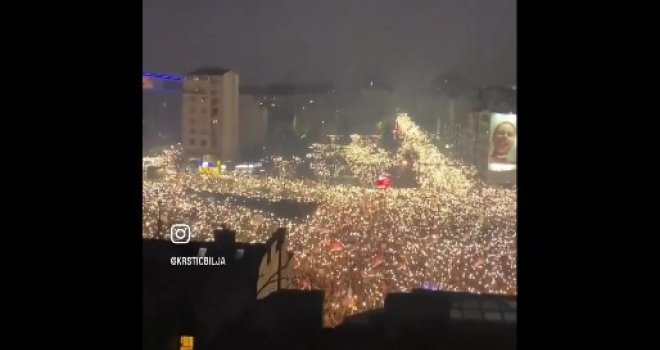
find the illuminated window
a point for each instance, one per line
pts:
(485, 310)
(186, 342)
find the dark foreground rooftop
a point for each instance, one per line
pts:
(218, 306)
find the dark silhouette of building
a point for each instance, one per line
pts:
(218, 306)
(204, 301)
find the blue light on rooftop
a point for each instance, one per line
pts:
(162, 76)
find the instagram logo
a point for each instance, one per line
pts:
(180, 234)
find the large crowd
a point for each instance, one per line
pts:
(361, 242)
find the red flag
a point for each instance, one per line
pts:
(335, 247)
(383, 182)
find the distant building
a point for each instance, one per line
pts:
(161, 108)
(474, 128)
(498, 99)
(476, 144)
(253, 126)
(302, 111)
(374, 104)
(439, 114)
(210, 114)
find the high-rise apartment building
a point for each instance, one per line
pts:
(210, 119)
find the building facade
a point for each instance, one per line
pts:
(161, 109)
(295, 111)
(253, 125)
(210, 114)
(478, 138)
(498, 99)
(374, 103)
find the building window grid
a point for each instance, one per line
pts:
(484, 310)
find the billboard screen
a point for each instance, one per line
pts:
(503, 142)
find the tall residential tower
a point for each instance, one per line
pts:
(210, 125)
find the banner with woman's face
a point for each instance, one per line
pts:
(503, 142)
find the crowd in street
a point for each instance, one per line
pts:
(361, 242)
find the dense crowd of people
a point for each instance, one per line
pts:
(453, 231)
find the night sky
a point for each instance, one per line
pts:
(405, 42)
